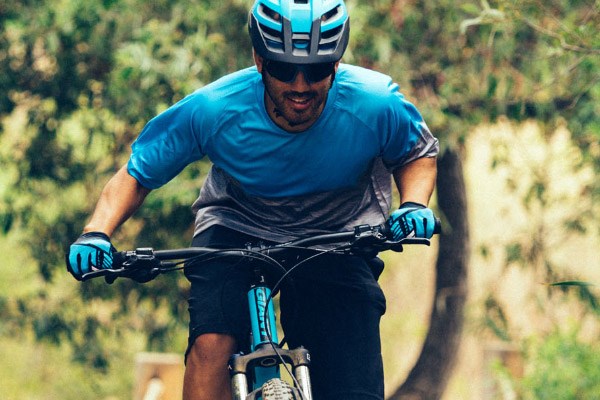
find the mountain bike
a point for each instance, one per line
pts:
(257, 375)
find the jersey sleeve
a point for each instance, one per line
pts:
(408, 137)
(166, 145)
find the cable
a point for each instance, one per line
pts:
(320, 252)
(213, 255)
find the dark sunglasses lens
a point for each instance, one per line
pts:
(318, 72)
(286, 72)
(281, 71)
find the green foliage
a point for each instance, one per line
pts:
(561, 366)
(552, 214)
(548, 246)
(36, 371)
(552, 67)
(80, 84)
(467, 62)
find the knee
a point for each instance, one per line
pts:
(211, 349)
(206, 375)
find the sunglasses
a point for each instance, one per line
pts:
(286, 72)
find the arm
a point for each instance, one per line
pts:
(120, 198)
(416, 180)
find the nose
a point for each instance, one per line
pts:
(300, 82)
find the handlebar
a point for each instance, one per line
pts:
(144, 264)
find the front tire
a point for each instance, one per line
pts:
(276, 389)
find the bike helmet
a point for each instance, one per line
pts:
(299, 31)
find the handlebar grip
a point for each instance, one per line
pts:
(437, 229)
(119, 257)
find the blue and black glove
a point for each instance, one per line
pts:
(411, 220)
(91, 252)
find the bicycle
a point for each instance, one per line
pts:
(256, 375)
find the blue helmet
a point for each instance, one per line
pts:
(299, 31)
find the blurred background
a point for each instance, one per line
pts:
(503, 305)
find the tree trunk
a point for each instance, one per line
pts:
(429, 376)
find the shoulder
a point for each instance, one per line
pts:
(365, 81)
(368, 92)
(230, 94)
(201, 111)
(235, 85)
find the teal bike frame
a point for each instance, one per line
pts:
(250, 372)
(264, 332)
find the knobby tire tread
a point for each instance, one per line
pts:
(276, 389)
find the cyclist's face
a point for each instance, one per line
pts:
(296, 105)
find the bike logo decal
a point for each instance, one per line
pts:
(261, 306)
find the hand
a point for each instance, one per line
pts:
(411, 220)
(91, 252)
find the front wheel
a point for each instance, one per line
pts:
(276, 389)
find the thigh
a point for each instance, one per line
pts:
(337, 320)
(217, 301)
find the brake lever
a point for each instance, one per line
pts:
(368, 239)
(422, 241)
(109, 274)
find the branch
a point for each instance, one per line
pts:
(561, 39)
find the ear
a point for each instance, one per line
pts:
(258, 60)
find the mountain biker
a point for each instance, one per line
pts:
(300, 144)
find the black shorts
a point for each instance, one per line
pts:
(333, 309)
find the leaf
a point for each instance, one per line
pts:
(492, 86)
(583, 292)
(514, 253)
(470, 8)
(495, 319)
(572, 283)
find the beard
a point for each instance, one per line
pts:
(296, 108)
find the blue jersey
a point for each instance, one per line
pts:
(276, 184)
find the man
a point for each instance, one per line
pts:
(300, 144)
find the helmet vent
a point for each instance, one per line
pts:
(331, 34)
(301, 41)
(300, 1)
(271, 34)
(270, 14)
(331, 14)
(273, 37)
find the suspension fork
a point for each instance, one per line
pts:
(263, 334)
(264, 330)
(264, 360)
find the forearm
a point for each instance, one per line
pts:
(416, 180)
(119, 199)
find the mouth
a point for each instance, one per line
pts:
(299, 103)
